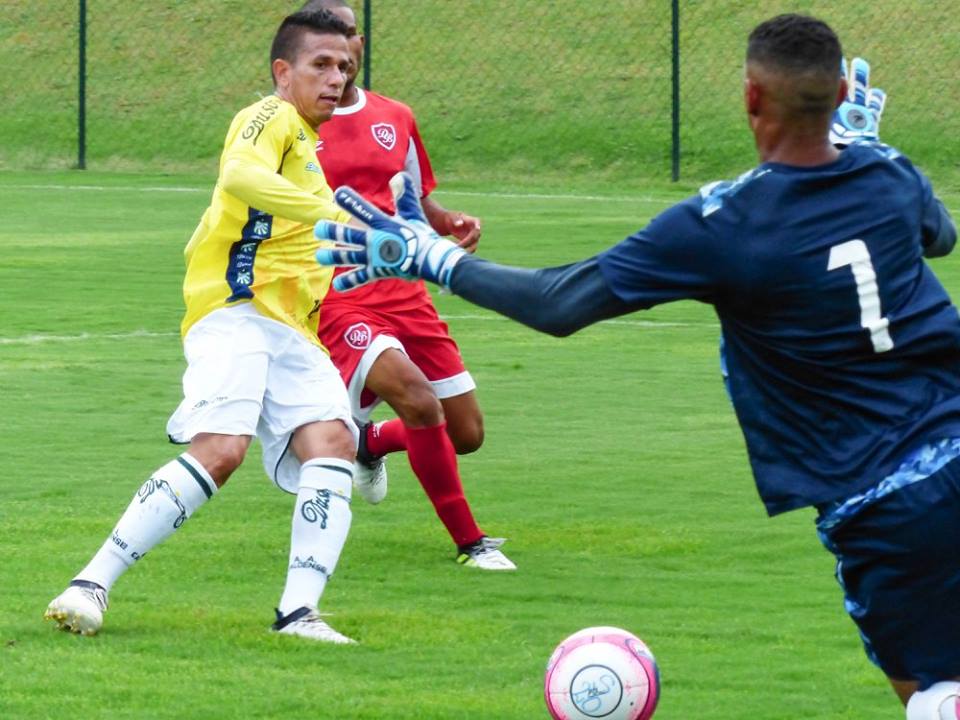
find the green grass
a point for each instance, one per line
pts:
(568, 92)
(612, 462)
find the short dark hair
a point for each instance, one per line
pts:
(797, 43)
(323, 4)
(286, 43)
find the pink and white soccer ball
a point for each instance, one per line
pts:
(602, 672)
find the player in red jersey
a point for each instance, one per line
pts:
(386, 338)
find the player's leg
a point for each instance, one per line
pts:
(171, 495)
(321, 522)
(464, 421)
(403, 386)
(355, 339)
(309, 443)
(219, 434)
(900, 573)
(427, 341)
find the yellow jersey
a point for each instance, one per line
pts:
(255, 242)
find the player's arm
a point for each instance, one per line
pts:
(269, 191)
(251, 174)
(465, 228)
(938, 234)
(558, 300)
(639, 272)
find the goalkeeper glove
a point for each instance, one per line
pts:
(858, 117)
(403, 245)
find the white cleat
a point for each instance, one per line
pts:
(370, 480)
(306, 622)
(485, 554)
(79, 608)
(369, 471)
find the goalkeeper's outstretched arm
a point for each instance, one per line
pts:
(558, 301)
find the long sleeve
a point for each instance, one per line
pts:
(558, 301)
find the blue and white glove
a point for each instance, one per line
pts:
(403, 245)
(858, 117)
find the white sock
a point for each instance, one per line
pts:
(161, 505)
(321, 521)
(940, 701)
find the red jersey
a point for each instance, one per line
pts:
(363, 146)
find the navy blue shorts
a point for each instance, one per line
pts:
(898, 561)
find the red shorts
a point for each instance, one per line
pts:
(356, 336)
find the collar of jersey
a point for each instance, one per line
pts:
(359, 105)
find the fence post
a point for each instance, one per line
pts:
(675, 82)
(367, 27)
(82, 90)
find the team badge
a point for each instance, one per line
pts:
(385, 135)
(358, 336)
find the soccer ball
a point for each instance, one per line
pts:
(602, 672)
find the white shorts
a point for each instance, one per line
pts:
(250, 375)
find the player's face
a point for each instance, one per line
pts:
(315, 80)
(355, 41)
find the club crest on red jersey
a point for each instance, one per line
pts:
(385, 135)
(357, 336)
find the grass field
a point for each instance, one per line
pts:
(612, 462)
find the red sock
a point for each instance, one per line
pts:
(386, 437)
(434, 462)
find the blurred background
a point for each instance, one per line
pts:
(510, 92)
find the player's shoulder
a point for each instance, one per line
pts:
(873, 150)
(268, 111)
(864, 153)
(719, 194)
(388, 103)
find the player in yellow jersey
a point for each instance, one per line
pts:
(255, 367)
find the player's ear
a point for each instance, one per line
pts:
(281, 72)
(752, 94)
(841, 92)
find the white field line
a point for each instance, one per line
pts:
(83, 337)
(461, 193)
(102, 188)
(37, 339)
(514, 196)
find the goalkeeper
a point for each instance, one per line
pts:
(842, 347)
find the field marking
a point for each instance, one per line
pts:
(122, 188)
(559, 196)
(464, 193)
(629, 323)
(39, 339)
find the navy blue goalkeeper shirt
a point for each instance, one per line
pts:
(842, 347)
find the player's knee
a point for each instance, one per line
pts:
(418, 405)
(468, 437)
(938, 702)
(340, 442)
(220, 455)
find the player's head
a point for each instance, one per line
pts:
(343, 10)
(309, 60)
(793, 74)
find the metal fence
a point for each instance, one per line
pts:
(504, 90)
